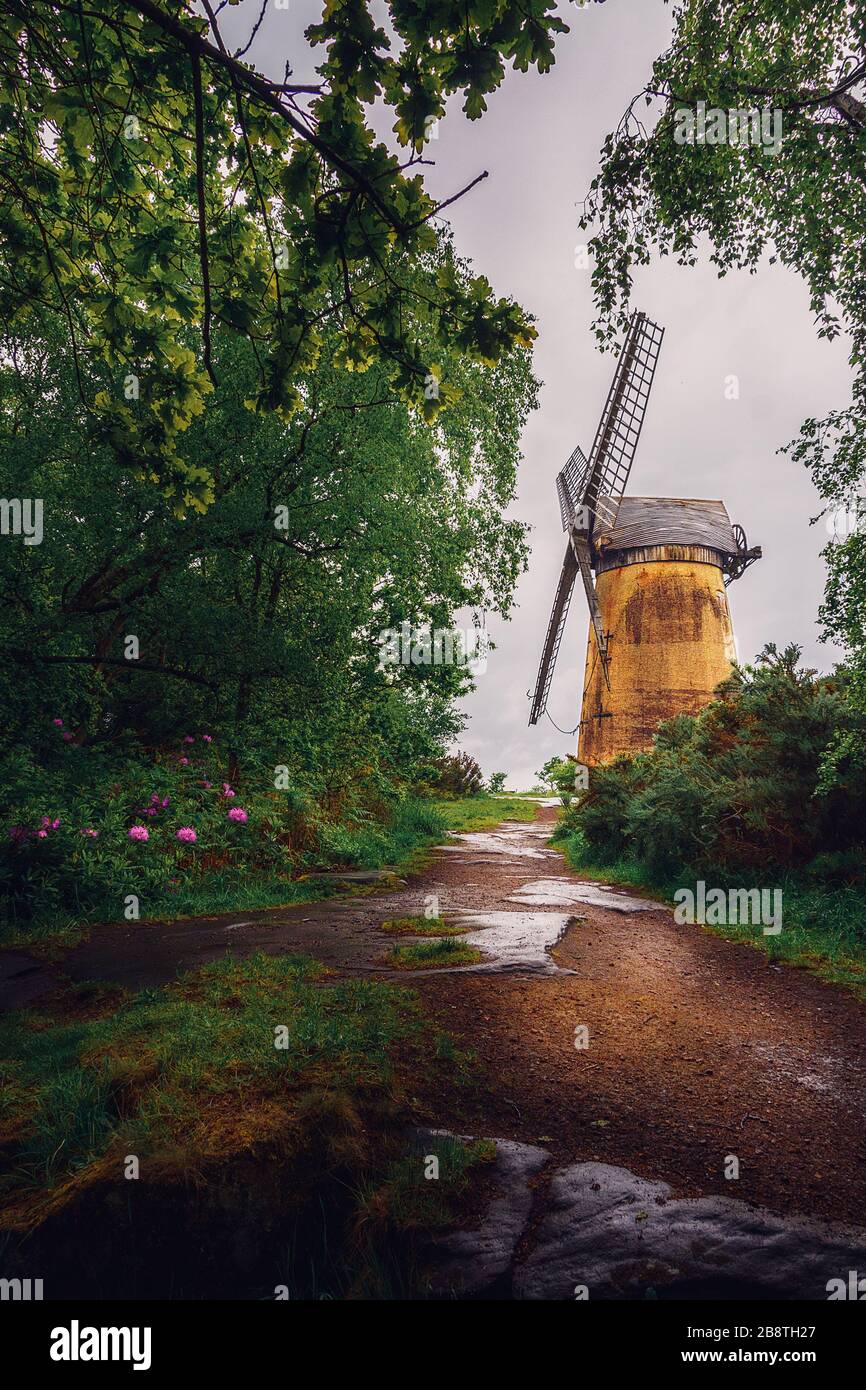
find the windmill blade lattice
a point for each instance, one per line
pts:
(555, 629)
(621, 422)
(570, 485)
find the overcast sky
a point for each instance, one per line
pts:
(539, 140)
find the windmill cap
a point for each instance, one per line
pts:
(648, 521)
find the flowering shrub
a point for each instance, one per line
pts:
(94, 827)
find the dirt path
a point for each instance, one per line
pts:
(698, 1048)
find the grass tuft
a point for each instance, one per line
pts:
(421, 926)
(432, 955)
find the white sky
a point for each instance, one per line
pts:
(539, 140)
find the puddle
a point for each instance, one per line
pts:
(561, 892)
(496, 842)
(517, 940)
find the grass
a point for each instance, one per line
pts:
(417, 824)
(481, 812)
(158, 1070)
(51, 935)
(823, 925)
(432, 955)
(421, 926)
(307, 1140)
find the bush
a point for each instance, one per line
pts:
(741, 786)
(458, 775)
(81, 833)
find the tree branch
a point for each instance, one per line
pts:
(202, 212)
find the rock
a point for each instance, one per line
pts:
(479, 1261)
(624, 1237)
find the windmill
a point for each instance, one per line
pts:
(654, 571)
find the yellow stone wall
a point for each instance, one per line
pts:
(671, 642)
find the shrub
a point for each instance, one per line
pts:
(458, 775)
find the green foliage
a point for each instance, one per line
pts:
(557, 775)
(800, 203)
(743, 795)
(458, 774)
(496, 784)
(267, 637)
(167, 202)
(739, 788)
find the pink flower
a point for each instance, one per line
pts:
(94, 834)
(189, 739)
(184, 762)
(204, 784)
(41, 834)
(237, 814)
(67, 738)
(58, 723)
(207, 738)
(227, 791)
(139, 832)
(187, 835)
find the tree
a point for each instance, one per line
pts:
(153, 182)
(260, 618)
(558, 775)
(798, 197)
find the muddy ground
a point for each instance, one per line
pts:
(698, 1049)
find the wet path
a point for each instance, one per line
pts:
(697, 1052)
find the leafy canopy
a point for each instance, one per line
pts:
(152, 182)
(800, 203)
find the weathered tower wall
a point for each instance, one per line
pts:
(670, 641)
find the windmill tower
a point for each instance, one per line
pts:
(660, 636)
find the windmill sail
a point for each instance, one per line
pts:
(555, 629)
(619, 428)
(591, 489)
